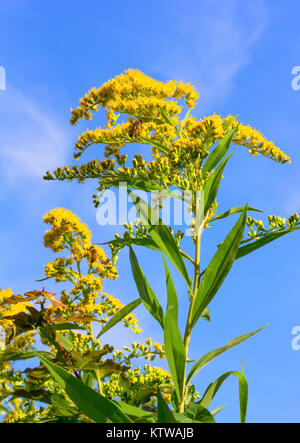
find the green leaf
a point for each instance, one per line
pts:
(232, 211)
(109, 367)
(155, 144)
(197, 413)
(206, 314)
(219, 152)
(119, 316)
(17, 356)
(135, 183)
(65, 342)
(146, 293)
(212, 185)
(207, 358)
(62, 407)
(62, 419)
(133, 411)
(90, 360)
(164, 413)
(143, 395)
(213, 388)
(218, 268)
(37, 395)
(161, 235)
(184, 121)
(256, 244)
(217, 410)
(167, 118)
(88, 378)
(92, 404)
(147, 242)
(175, 351)
(43, 279)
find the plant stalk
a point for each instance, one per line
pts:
(188, 329)
(97, 372)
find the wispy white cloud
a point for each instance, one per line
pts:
(31, 140)
(220, 36)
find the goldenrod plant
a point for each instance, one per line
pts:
(61, 325)
(188, 154)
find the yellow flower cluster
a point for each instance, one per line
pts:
(258, 144)
(149, 351)
(127, 132)
(19, 416)
(136, 94)
(82, 342)
(179, 146)
(276, 223)
(207, 130)
(213, 128)
(68, 232)
(139, 388)
(57, 269)
(87, 288)
(22, 343)
(64, 222)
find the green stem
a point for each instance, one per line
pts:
(184, 254)
(188, 329)
(97, 372)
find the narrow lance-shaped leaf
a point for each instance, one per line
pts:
(155, 144)
(146, 293)
(213, 388)
(168, 119)
(217, 410)
(135, 183)
(164, 413)
(233, 211)
(219, 267)
(133, 411)
(148, 242)
(144, 185)
(207, 358)
(92, 404)
(219, 152)
(119, 316)
(10, 355)
(161, 235)
(175, 351)
(212, 185)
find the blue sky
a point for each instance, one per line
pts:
(239, 55)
